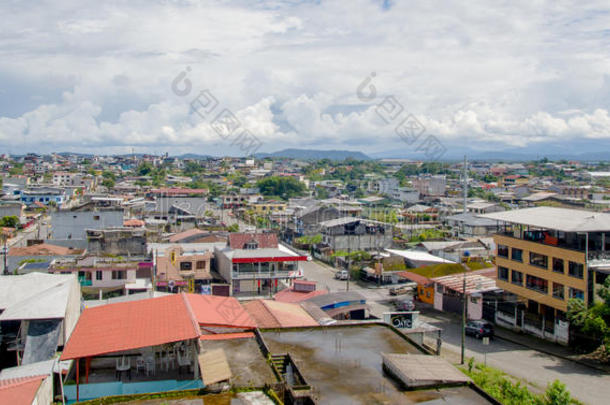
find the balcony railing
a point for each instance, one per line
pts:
(84, 282)
(262, 275)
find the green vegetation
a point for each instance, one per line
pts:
(308, 240)
(9, 222)
(108, 183)
(473, 265)
(428, 234)
(438, 270)
(510, 392)
(356, 256)
(233, 228)
(593, 322)
(282, 187)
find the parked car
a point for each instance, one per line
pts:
(342, 275)
(480, 329)
(405, 305)
(399, 290)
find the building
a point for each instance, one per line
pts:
(39, 313)
(181, 270)
(68, 224)
(44, 195)
(256, 264)
(267, 207)
(468, 225)
(349, 233)
(429, 185)
(545, 256)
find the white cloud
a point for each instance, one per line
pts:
(504, 75)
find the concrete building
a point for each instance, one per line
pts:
(68, 224)
(545, 256)
(353, 234)
(256, 264)
(178, 269)
(117, 241)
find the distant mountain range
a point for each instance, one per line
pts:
(313, 154)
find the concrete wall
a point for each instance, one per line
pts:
(73, 224)
(72, 310)
(359, 242)
(44, 395)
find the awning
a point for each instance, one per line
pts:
(214, 367)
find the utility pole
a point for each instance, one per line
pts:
(464, 302)
(465, 183)
(349, 260)
(5, 252)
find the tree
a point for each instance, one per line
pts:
(108, 183)
(9, 222)
(283, 187)
(144, 169)
(233, 228)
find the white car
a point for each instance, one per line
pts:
(342, 275)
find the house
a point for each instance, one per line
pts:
(181, 270)
(449, 292)
(99, 275)
(301, 290)
(350, 233)
(68, 224)
(546, 256)
(467, 225)
(425, 286)
(430, 185)
(44, 195)
(256, 264)
(39, 313)
(417, 258)
(121, 241)
(115, 338)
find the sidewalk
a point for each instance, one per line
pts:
(529, 341)
(547, 347)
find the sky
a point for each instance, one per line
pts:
(189, 76)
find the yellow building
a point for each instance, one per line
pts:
(544, 257)
(267, 207)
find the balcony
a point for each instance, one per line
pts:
(84, 282)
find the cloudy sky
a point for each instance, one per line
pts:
(117, 76)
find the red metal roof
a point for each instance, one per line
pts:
(212, 310)
(264, 240)
(274, 314)
(226, 336)
(291, 296)
(419, 279)
(269, 259)
(131, 325)
(20, 391)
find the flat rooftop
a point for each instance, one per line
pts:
(560, 219)
(344, 365)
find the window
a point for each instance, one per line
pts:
(538, 260)
(96, 217)
(575, 269)
(517, 277)
(502, 273)
(251, 245)
(439, 288)
(118, 275)
(558, 290)
(537, 284)
(558, 265)
(517, 254)
(200, 264)
(186, 266)
(576, 293)
(503, 251)
(98, 275)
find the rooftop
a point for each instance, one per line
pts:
(561, 219)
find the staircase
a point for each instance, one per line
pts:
(279, 363)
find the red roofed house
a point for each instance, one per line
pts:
(272, 314)
(154, 340)
(256, 264)
(300, 291)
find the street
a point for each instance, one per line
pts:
(538, 369)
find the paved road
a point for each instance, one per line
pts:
(588, 385)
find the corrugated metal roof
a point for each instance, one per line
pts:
(20, 391)
(561, 219)
(475, 283)
(131, 325)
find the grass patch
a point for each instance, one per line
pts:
(438, 270)
(510, 391)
